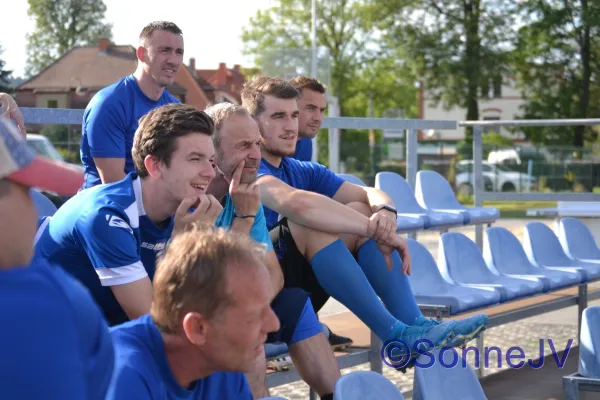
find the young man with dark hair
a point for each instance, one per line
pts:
(335, 238)
(311, 105)
(111, 117)
(54, 341)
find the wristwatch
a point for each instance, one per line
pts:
(389, 208)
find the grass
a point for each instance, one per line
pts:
(515, 209)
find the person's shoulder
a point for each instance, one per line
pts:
(112, 94)
(226, 385)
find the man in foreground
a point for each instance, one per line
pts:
(237, 146)
(111, 118)
(45, 312)
(335, 238)
(209, 320)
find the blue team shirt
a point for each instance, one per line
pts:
(309, 176)
(258, 232)
(304, 149)
(110, 121)
(54, 342)
(143, 372)
(103, 238)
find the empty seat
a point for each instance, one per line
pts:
(433, 192)
(503, 251)
(365, 385)
(352, 179)
(577, 241)
(446, 375)
(544, 250)
(429, 287)
(461, 261)
(273, 350)
(403, 196)
(589, 343)
(43, 205)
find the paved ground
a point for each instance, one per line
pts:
(560, 327)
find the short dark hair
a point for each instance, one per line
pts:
(159, 26)
(254, 92)
(304, 82)
(159, 129)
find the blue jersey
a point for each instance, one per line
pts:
(301, 175)
(304, 148)
(258, 232)
(143, 372)
(103, 237)
(54, 342)
(110, 121)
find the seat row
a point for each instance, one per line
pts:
(465, 278)
(431, 206)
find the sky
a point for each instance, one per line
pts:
(212, 31)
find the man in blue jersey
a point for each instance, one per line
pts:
(237, 146)
(108, 236)
(209, 320)
(54, 342)
(311, 107)
(335, 238)
(111, 118)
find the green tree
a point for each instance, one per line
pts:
(60, 25)
(557, 60)
(458, 48)
(347, 32)
(5, 75)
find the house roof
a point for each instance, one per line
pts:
(90, 67)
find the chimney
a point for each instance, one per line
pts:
(104, 44)
(222, 74)
(193, 65)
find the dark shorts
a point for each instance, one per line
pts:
(288, 306)
(297, 271)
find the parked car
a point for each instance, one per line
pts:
(497, 178)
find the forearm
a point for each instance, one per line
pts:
(274, 271)
(242, 225)
(377, 198)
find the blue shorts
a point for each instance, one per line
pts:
(296, 316)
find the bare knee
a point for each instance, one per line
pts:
(361, 208)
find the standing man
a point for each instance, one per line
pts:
(111, 118)
(311, 105)
(54, 342)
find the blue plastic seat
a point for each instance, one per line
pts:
(446, 375)
(461, 261)
(433, 192)
(589, 343)
(43, 205)
(430, 287)
(544, 250)
(365, 385)
(577, 241)
(403, 196)
(352, 179)
(503, 251)
(273, 350)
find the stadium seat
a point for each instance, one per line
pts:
(433, 192)
(430, 287)
(401, 193)
(503, 252)
(44, 206)
(365, 385)
(543, 249)
(589, 343)
(445, 375)
(352, 179)
(459, 259)
(577, 241)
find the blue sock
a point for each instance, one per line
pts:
(343, 279)
(392, 286)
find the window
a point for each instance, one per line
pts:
(52, 104)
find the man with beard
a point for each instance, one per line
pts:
(311, 107)
(237, 145)
(111, 118)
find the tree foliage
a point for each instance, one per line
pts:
(557, 60)
(5, 75)
(60, 25)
